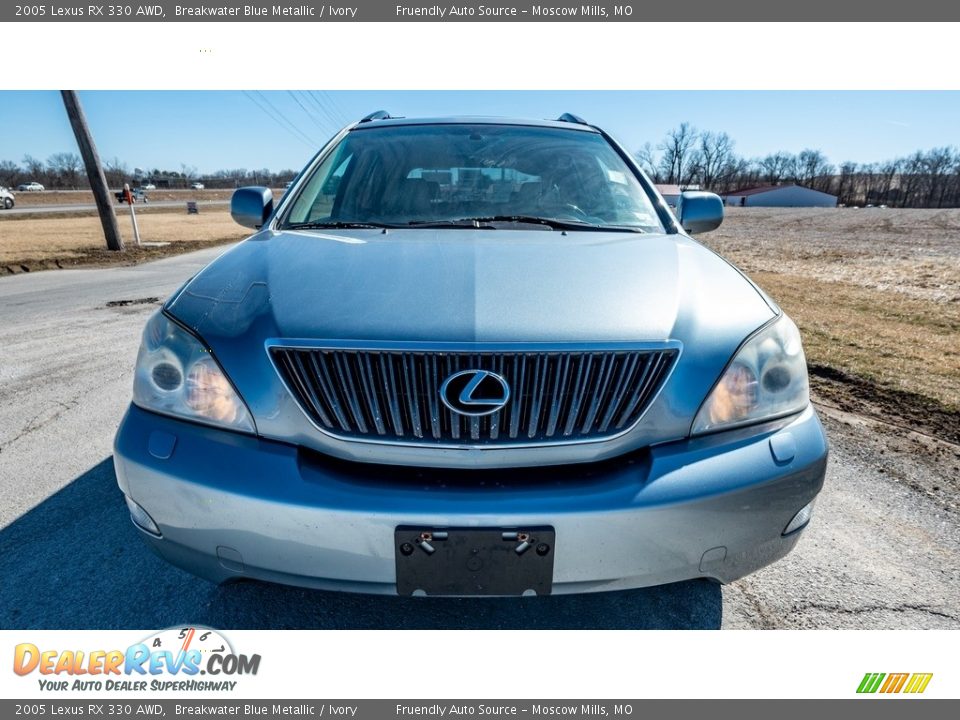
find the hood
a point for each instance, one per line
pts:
(466, 286)
(470, 286)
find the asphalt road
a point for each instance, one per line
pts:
(84, 208)
(881, 552)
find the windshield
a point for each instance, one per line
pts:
(447, 174)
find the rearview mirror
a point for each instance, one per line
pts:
(251, 206)
(699, 212)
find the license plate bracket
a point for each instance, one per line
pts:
(474, 561)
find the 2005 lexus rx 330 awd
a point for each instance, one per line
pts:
(471, 357)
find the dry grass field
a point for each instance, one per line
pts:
(876, 293)
(51, 241)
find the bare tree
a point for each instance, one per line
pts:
(9, 173)
(888, 172)
(813, 168)
(937, 165)
(715, 159)
(677, 149)
(778, 167)
(32, 166)
(65, 167)
(845, 181)
(647, 159)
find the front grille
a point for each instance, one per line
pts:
(394, 395)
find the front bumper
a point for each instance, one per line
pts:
(232, 506)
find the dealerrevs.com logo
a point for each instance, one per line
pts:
(171, 659)
(910, 683)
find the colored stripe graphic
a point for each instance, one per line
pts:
(895, 683)
(918, 682)
(870, 682)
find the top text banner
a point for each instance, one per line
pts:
(496, 11)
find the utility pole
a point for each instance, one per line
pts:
(91, 159)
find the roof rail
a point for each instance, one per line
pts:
(571, 118)
(378, 115)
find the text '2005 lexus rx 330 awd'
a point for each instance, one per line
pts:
(471, 357)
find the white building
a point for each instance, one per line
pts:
(671, 193)
(780, 196)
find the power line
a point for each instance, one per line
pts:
(285, 118)
(336, 106)
(320, 103)
(269, 114)
(309, 114)
(280, 120)
(322, 108)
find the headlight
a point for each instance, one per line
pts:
(177, 375)
(767, 379)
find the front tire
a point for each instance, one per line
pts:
(7, 203)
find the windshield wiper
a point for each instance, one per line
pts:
(336, 225)
(483, 222)
(459, 223)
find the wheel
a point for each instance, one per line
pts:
(7, 203)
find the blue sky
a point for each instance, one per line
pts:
(212, 130)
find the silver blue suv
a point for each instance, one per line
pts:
(471, 356)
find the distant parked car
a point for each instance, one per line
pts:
(196, 186)
(137, 193)
(148, 186)
(30, 187)
(7, 200)
(288, 185)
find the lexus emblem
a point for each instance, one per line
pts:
(475, 392)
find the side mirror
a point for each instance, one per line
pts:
(699, 212)
(251, 206)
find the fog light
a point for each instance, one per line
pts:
(142, 519)
(800, 519)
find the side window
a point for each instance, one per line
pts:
(323, 203)
(317, 200)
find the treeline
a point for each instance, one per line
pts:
(65, 171)
(687, 156)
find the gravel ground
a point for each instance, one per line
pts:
(909, 252)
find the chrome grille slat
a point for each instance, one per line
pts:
(603, 377)
(626, 372)
(516, 405)
(646, 376)
(539, 378)
(346, 382)
(495, 418)
(583, 373)
(393, 398)
(559, 387)
(329, 390)
(556, 395)
(370, 394)
(303, 381)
